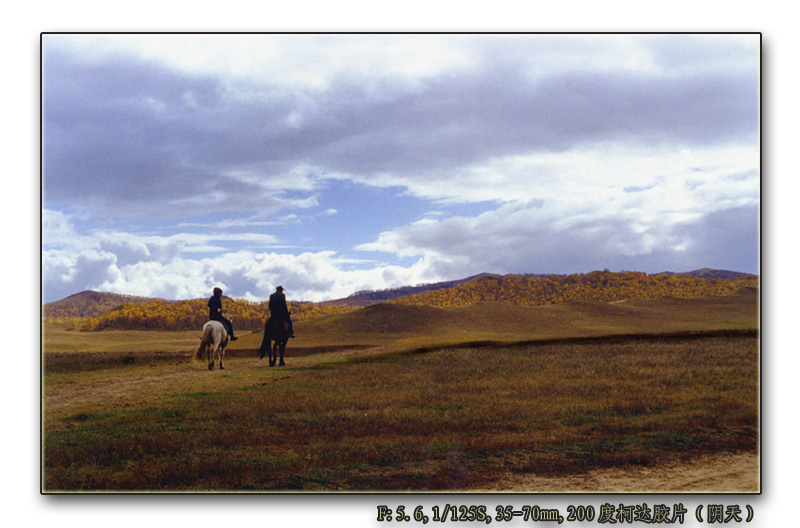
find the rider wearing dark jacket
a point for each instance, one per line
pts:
(215, 312)
(279, 310)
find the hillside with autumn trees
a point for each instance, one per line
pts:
(526, 290)
(191, 314)
(605, 286)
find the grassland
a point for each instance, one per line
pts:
(408, 398)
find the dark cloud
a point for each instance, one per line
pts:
(125, 132)
(501, 112)
(128, 131)
(727, 239)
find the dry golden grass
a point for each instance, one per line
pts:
(391, 324)
(410, 414)
(454, 419)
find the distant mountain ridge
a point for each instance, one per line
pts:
(708, 273)
(368, 297)
(92, 303)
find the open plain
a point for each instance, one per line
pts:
(654, 395)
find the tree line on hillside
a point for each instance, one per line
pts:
(529, 290)
(192, 314)
(606, 286)
(367, 297)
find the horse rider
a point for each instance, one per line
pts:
(215, 313)
(279, 310)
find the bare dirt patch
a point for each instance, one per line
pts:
(716, 473)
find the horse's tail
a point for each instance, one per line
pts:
(205, 341)
(265, 342)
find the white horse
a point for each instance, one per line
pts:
(214, 341)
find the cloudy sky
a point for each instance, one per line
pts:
(336, 163)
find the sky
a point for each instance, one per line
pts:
(335, 163)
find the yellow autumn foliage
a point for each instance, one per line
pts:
(529, 290)
(603, 286)
(186, 315)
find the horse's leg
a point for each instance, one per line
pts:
(215, 354)
(221, 355)
(283, 349)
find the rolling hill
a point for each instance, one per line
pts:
(391, 324)
(708, 273)
(367, 297)
(89, 304)
(96, 310)
(93, 303)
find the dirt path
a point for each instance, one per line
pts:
(718, 473)
(107, 390)
(139, 385)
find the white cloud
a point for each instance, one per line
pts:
(310, 276)
(581, 209)
(56, 224)
(314, 61)
(295, 62)
(605, 180)
(300, 178)
(518, 239)
(152, 266)
(67, 272)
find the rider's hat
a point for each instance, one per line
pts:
(279, 288)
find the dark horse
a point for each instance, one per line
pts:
(277, 332)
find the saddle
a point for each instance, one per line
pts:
(284, 325)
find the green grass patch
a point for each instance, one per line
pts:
(89, 417)
(203, 395)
